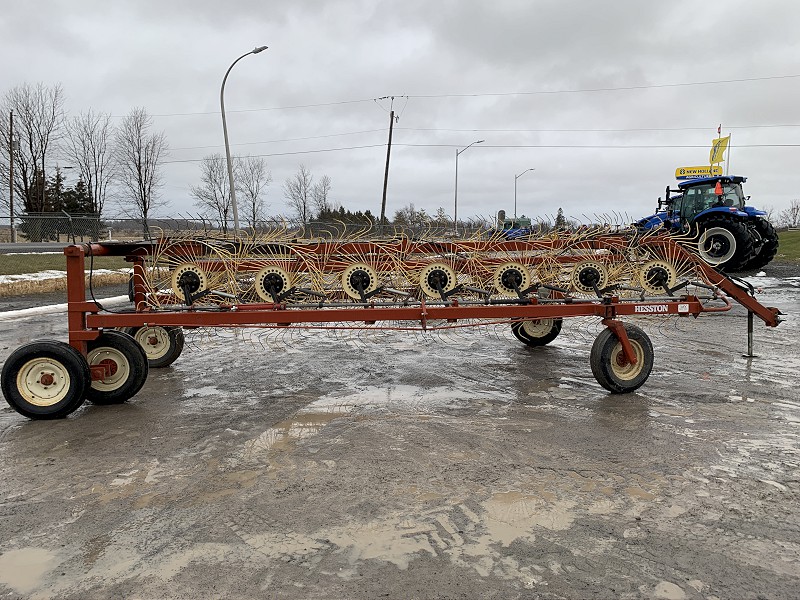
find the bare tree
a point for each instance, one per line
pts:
(38, 123)
(252, 180)
(88, 147)
(213, 194)
(139, 153)
(409, 216)
(298, 192)
(791, 216)
(320, 192)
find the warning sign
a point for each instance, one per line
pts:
(696, 172)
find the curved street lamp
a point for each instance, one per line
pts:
(515, 189)
(225, 132)
(455, 201)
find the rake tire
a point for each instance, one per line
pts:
(537, 332)
(128, 368)
(45, 379)
(608, 363)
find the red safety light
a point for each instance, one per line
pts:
(718, 189)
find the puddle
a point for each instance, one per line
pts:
(23, 569)
(405, 398)
(207, 390)
(287, 433)
(311, 419)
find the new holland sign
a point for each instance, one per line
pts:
(697, 172)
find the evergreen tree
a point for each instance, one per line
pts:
(561, 221)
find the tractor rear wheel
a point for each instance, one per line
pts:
(724, 242)
(537, 332)
(45, 379)
(768, 242)
(609, 366)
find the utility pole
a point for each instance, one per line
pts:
(11, 176)
(386, 172)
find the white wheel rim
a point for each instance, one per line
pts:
(511, 267)
(120, 368)
(589, 264)
(622, 369)
(537, 328)
(429, 290)
(708, 245)
(262, 291)
(188, 268)
(43, 382)
(648, 268)
(347, 285)
(154, 340)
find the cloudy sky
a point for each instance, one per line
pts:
(603, 99)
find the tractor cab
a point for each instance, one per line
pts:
(700, 195)
(522, 222)
(698, 198)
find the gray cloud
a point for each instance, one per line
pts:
(169, 57)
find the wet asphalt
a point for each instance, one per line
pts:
(400, 465)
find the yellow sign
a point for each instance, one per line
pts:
(697, 172)
(718, 147)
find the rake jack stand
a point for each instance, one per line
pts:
(749, 336)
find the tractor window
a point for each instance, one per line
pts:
(701, 197)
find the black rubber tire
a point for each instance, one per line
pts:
(536, 341)
(159, 355)
(606, 367)
(131, 365)
(740, 242)
(68, 368)
(769, 245)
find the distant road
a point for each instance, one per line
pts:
(32, 247)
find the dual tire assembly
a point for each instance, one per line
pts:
(48, 379)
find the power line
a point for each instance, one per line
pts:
(313, 137)
(573, 146)
(195, 160)
(610, 146)
(246, 110)
(594, 130)
(452, 130)
(479, 95)
(608, 89)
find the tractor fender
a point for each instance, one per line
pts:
(725, 210)
(754, 212)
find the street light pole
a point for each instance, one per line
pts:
(225, 133)
(515, 189)
(455, 199)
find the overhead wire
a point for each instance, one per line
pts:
(571, 146)
(487, 94)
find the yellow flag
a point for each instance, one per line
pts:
(718, 147)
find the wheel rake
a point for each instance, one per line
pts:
(273, 288)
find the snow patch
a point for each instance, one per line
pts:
(53, 274)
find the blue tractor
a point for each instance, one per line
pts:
(512, 229)
(730, 235)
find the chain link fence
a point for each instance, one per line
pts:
(72, 228)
